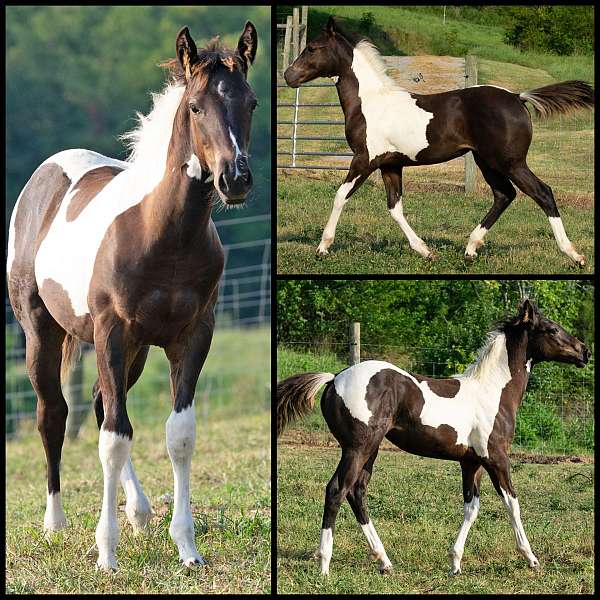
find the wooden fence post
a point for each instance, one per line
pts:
(354, 343)
(470, 170)
(303, 34)
(286, 43)
(295, 33)
(78, 406)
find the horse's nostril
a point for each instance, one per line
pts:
(223, 181)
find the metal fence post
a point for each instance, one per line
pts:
(354, 343)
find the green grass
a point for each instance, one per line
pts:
(230, 488)
(416, 506)
(368, 240)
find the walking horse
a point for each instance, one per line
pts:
(125, 255)
(389, 128)
(469, 418)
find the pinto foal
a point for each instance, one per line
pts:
(469, 418)
(125, 255)
(389, 128)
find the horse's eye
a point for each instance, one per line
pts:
(196, 110)
(310, 49)
(253, 105)
(553, 330)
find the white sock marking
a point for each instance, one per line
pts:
(54, 518)
(416, 243)
(326, 550)
(377, 549)
(338, 204)
(514, 513)
(137, 507)
(475, 240)
(114, 450)
(563, 241)
(471, 510)
(181, 438)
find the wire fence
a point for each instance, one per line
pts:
(244, 307)
(556, 415)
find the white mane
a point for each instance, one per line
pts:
(373, 59)
(148, 143)
(491, 361)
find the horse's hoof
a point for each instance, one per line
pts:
(470, 257)
(385, 570)
(320, 253)
(581, 262)
(106, 566)
(454, 572)
(432, 256)
(193, 562)
(534, 564)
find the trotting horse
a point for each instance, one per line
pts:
(125, 255)
(469, 418)
(389, 128)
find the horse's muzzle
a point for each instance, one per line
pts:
(586, 354)
(234, 182)
(291, 77)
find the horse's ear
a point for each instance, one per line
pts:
(528, 313)
(187, 53)
(247, 45)
(330, 27)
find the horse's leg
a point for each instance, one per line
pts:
(354, 179)
(137, 508)
(357, 498)
(504, 194)
(341, 483)
(541, 192)
(186, 359)
(393, 187)
(471, 479)
(499, 471)
(44, 338)
(116, 433)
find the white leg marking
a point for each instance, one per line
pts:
(338, 204)
(137, 508)
(416, 243)
(377, 549)
(55, 518)
(325, 550)
(181, 438)
(471, 510)
(475, 241)
(514, 512)
(563, 241)
(114, 451)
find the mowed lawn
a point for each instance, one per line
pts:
(230, 488)
(369, 241)
(416, 507)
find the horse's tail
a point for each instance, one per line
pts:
(69, 350)
(296, 396)
(560, 98)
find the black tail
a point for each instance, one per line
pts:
(296, 396)
(560, 98)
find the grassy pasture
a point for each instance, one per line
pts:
(230, 486)
(521, 241)
(416, 506)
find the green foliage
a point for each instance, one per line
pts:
(366, 22)
(561, 30)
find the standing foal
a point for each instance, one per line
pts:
(125, 255)
(469, 418)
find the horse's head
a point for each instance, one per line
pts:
(547, 340)
(220, 104)
(322, 57)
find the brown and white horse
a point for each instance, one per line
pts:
(389, 128)
(469, 418)
(125, 255)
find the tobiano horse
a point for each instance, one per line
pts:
(125, 255)
(469, 418)
(389, 128)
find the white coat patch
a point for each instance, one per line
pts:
(528, 365)
(237, 153)
(194, 169)
(394, 121)
(471, 412)
(68, 252)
